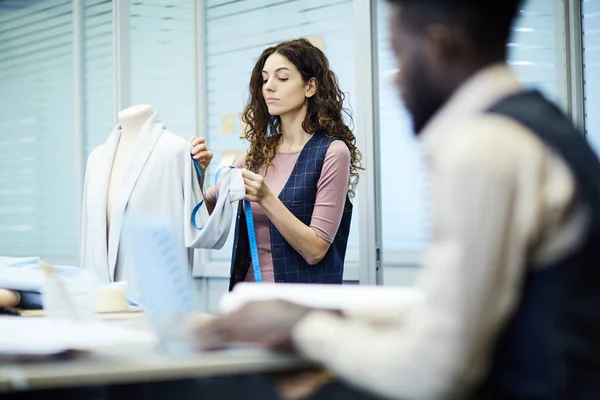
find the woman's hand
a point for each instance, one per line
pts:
(201, 153)
(256, 188)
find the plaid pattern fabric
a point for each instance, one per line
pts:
(298, 195)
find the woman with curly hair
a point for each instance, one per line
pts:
(300, 171)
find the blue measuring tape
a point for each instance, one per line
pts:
(249, 221)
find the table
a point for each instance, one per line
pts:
(249, 373)
(139, 365)
(106, 369)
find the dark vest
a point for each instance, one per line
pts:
(550, 349)
(298, 195)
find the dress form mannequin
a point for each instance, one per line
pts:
(141, 168)
(131, 121)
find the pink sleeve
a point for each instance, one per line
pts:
(211, 192)
(332, 189)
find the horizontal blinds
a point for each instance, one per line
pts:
(404, 182)
(532, 51)
(405, 200)
(100, 115)
(37, 155)
(163, 61)
(591, 61)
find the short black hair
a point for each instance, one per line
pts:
(486, 23)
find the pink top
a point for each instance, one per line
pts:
(332, 189)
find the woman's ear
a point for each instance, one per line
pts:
(311, 88)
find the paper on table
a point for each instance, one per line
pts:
(68, 297)
(320, 296)
(43, 336)
(165, 282)
(164, 279)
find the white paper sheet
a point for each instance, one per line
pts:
(43, 336)
(166, 286)
(320, 296)
(164, 279)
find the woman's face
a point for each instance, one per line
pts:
(283, 88)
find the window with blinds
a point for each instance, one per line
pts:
(404, 181)
(37, 155)
(532, 49)
(99, 85)
(591, 65)
(163, 61)
(404, 184)
(236, 34)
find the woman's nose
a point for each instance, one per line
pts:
(269, 86)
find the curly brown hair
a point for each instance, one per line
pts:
(325, 110)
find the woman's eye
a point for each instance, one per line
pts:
(283, 79)
(265, 81)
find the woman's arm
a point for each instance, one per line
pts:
(311, 242)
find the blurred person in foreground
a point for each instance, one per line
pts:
(511, 280)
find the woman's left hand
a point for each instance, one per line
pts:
(256, 188)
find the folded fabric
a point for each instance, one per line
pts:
(24, 275)
(18, 261)
(213, 233)
(16, 278)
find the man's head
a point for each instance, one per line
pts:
(441, 43)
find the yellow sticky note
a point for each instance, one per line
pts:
(230, 157)
(318, 42)
(243, 128)
(228, 124)
(227, 159)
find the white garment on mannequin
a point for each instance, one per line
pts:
(131, 121)
(214, 233)
(157, 177)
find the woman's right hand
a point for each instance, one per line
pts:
(201, 153)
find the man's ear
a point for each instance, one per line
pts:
(311, 88)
